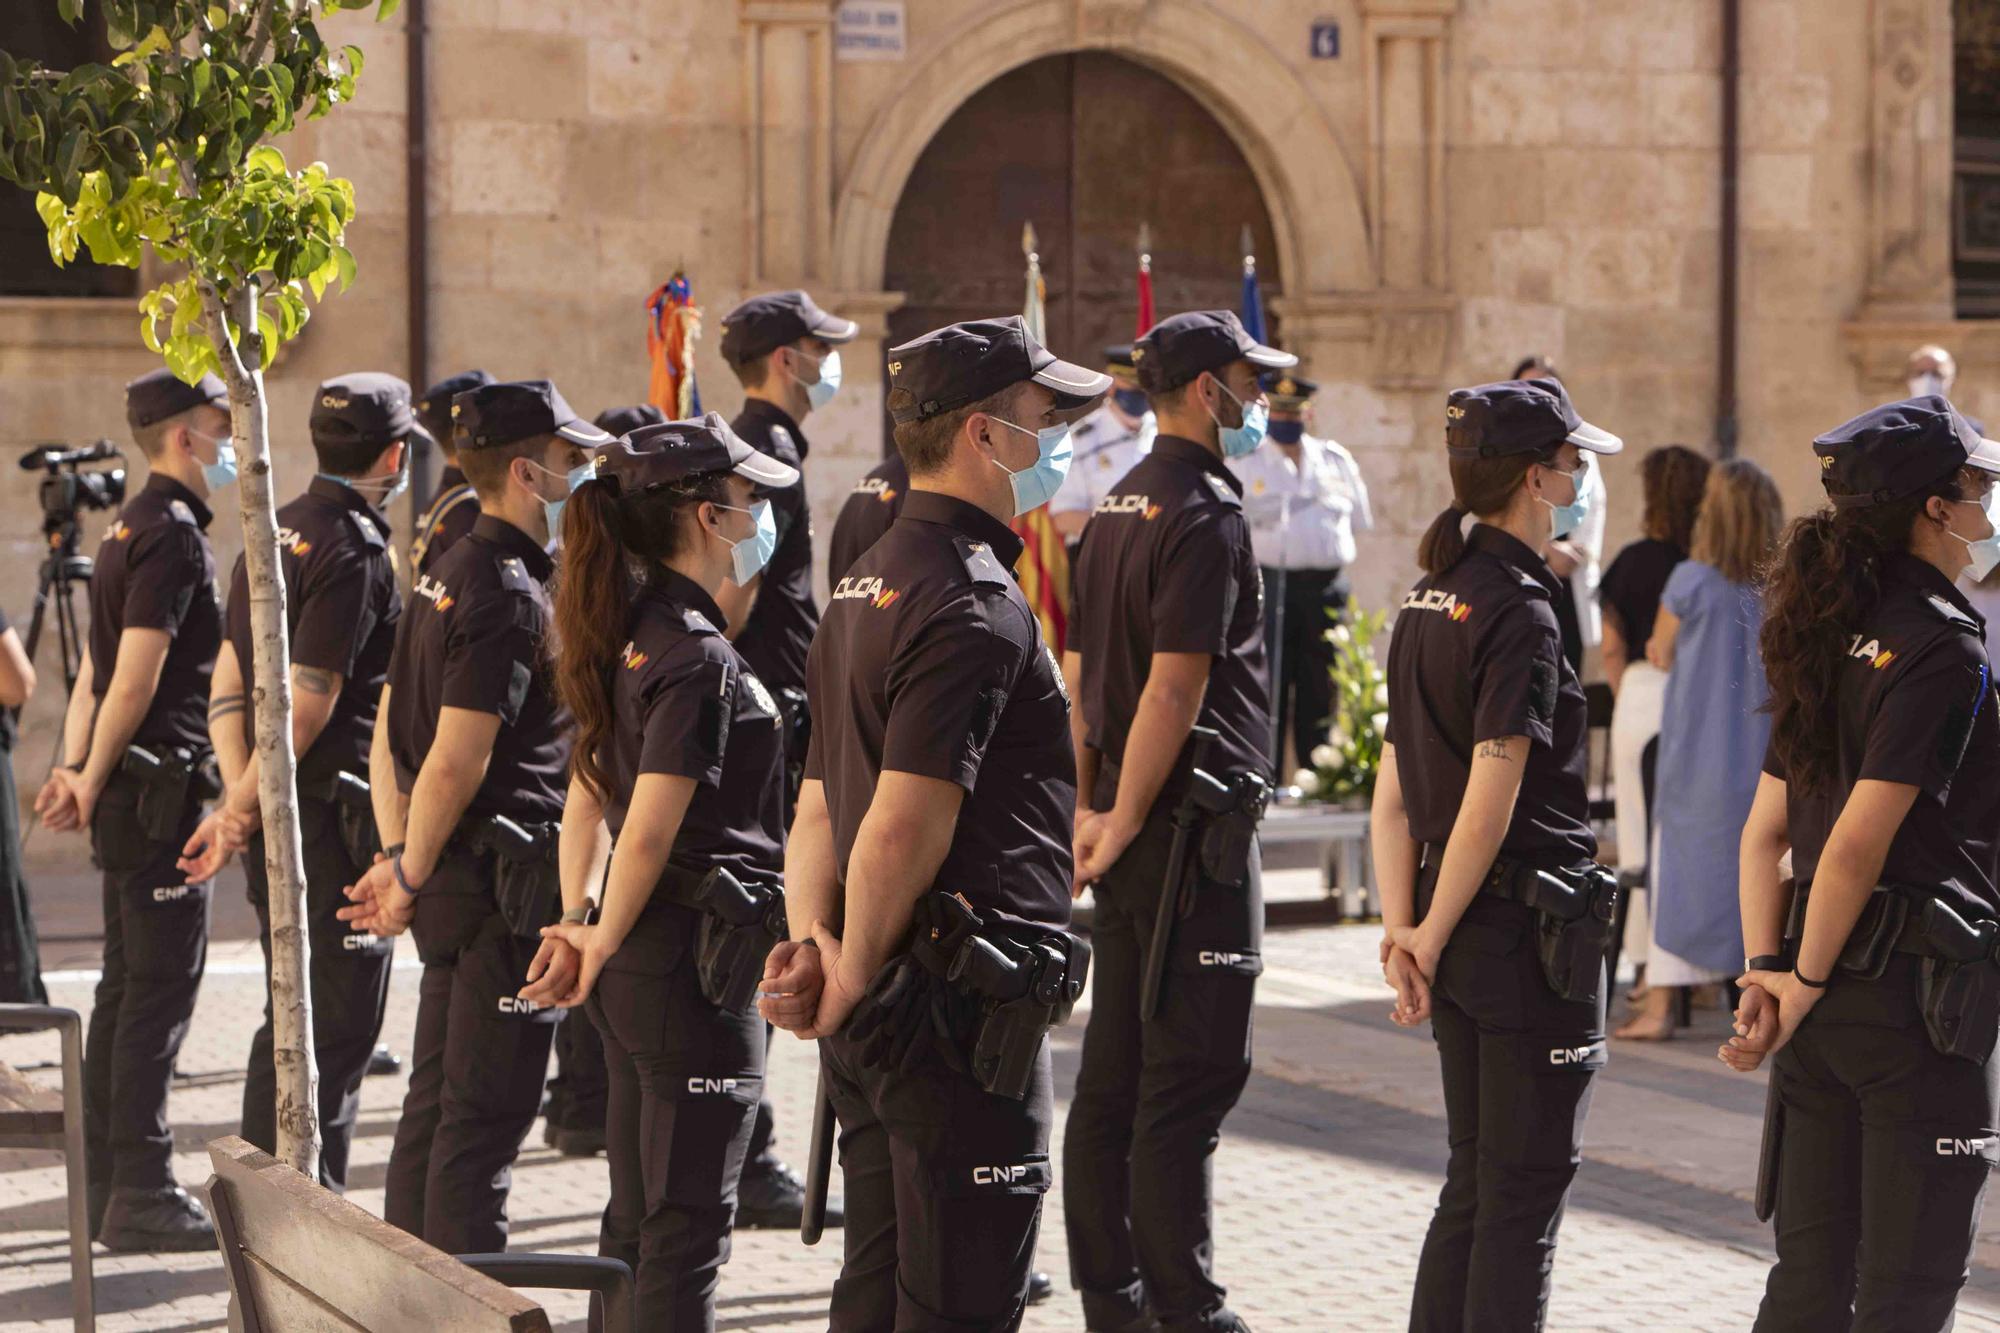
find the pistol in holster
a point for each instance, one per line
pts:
(355, 810)
(740, 925)
(798, 724)
(1575, 911)
(1024, 990)
(1960, 982)
(166, 776)
(526, 882)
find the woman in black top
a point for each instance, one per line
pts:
(677, 771)
(1480, 809)
(1883, 778)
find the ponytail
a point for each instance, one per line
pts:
(1481, 487)
(1443, 541)
(593, 606)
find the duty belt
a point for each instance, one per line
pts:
(1515, 882)
(1901, 920)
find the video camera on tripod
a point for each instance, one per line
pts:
(67, 490)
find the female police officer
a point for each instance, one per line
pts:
(1481, 835)
(1883, 777)
(678, 752)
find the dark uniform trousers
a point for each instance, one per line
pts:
(944, 1184)
(1886, 1152)
(1313, 601)
(1151, 1096)
(477, 1065)
(1518, 1062)
(155, 948)
(578, 1091)
(684, 1081)
(350, 992)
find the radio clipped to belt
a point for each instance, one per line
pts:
(526, 881)
(165, 777)
(740, 925)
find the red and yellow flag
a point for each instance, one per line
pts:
(673, 325)
(1043, 569)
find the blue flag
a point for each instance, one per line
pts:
(1253, 300)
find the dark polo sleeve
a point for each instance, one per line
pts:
(1924, 718)
(1516, 670)
(491, 655)
(688, 704)
(338, 610)
(1194, 597)
(163, 575)
(948, 683)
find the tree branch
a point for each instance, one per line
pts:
(262, 36)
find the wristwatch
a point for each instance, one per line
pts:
(584, 915)
(1765, 962)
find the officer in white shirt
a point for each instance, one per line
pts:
(1578, 559)
(1107, 443)
(1305, 500)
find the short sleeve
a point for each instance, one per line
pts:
(948, 683)
(686, 727)
(337, 613)
(1517, 670)
(491, 655)
(1774, 763)
(1924, 718)
(1195, 596)
(165, 574)
(788, 512)
(1683, 592)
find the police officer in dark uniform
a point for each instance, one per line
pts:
(135, 750)
(679, 767)
(1170, 635)
(866, 514)
(341, 610)
(1495, 915)
(1874, 978)
(943, 767)
(454, 507)
(470, 751)
(785, 352)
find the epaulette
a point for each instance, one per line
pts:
(1530, 583)
(514, 576)
(1943, 606)
(980, 562)
(181, 513)
(781, 439)
(696, 622)
(370, 534)
(1223, 490)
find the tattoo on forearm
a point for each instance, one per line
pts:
(1494, 749)
(227, 705)
(313, 680)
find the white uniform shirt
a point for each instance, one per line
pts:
(1303, 515)
(1589, 543)
(1104, 449)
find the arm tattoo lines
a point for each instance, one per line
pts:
(226, 705)
(1495, 749)
(313, 680)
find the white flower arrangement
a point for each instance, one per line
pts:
(1344, 766)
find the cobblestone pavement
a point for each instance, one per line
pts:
(1324, 1182)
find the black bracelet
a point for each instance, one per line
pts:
(1805, 980)
(1765, 962)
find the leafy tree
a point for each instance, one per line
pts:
(167, 149)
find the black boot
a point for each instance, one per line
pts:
(95, 1200)
(149, 1221)
(383, 1062)
(1040, 1287)
(772, 1197)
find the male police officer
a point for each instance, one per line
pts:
(470, 753)
(1107, 443)
(942, 764)
(454, 507)
(866, 514)
(786, 353)
(341, 610)
(1170, 633)
(132, 775)
(1305, 500)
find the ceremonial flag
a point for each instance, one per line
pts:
(673, 326)
(1253, 300)
(1043, 569)
(1145, 281)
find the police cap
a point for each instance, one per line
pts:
(364, 409)
(1896, 450)
(159, 394)
(435, 406)
(1289, 391)
(1118, 363)
(672, 451)
(963, 363)
(625, 420)
(1180, 347)
(1518, 417)
(763, 324)
(496, 414)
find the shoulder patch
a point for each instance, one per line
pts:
(781, 439)
(980, 562)
(1530, 584)
(514, 575)
(1944, 608)
(181, 513)
(1223, 491)
(696, 622)
(371, 536)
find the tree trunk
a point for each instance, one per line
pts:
(277, 785)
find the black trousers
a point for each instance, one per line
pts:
(684, 1082)
(1151, 1096)
(1312, 602)
(20, 948)
(578, 1091)
(1518, 1064)
(155, 948)
(1886, 1152)
(944, 1184)
(476, 1066)
(349, 981)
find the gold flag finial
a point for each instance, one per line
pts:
(1027, 238)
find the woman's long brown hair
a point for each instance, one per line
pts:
(1671, 478)
(610, 542)
(1480, 487)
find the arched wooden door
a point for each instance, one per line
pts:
(1086, 146)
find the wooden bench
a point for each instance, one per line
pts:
(301, 1257)
(33, 1117)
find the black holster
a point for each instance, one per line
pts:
(355, 810)
(798, 729)
(1959, 986)
(1228, 835)
(1024, 989)
(1574, 915)
(165, 776)
(527, 884)
(740, 925)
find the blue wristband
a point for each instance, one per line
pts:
(396, 865)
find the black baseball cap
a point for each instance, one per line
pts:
(1518, 417)
(963, 363)
(1289, 391)
(494, 414)
(671, 451)
(435, 406)
(1896, 450)
(159, 394)
(763, 324)
(1180, 347)
(625, 420)
(366, 408)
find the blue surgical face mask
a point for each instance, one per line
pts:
(1037, 484)
(1287, 432)
(1237, 441)
(1985, 553)
(821, 391)
(222, 471)
(366, 489)
(552, 509)
(1566, 519)
(1132, 402)
(748, 557)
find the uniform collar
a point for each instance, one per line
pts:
(450, 477)
(1926, 579)
(950, 512)
(768, 412)
(1509, 549)
(1182, 449)
(346, 497)
(515, 542)
(164, 486)
(678, 587)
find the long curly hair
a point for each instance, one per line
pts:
(1671, 478)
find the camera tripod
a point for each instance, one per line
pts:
(62, 571)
